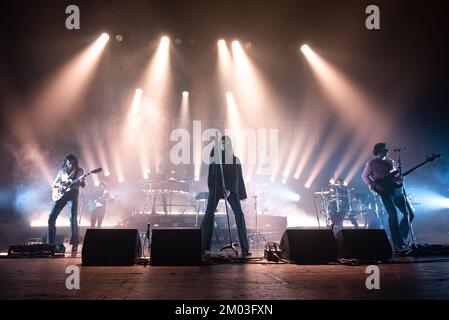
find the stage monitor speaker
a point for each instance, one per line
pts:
(309, 246)
(176, 247)
(111, 247)
(364, 244)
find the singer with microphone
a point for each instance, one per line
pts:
(380, 175)
(225, 170)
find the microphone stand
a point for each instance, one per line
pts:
(409, 222)
(217, 156)
(256, 235)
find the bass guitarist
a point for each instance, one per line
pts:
(378, 176)
(70, 172)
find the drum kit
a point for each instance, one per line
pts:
(168, 194)
(338, 203)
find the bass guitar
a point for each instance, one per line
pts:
(394, 180)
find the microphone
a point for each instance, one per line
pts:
(400, 149)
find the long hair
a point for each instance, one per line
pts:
(72, 158)
(228, 144)
(228, 152)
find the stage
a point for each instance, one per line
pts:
(43, 279)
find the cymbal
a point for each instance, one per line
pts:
(151, 180)
(322, 193)
(188, 181)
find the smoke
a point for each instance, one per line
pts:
(32, 199)
(31, 179)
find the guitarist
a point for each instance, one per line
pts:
(101, 197)
(392, 195)
(70, 170)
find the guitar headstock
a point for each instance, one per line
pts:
(433, 157)
(98, 170)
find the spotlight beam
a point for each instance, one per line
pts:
(66, 89)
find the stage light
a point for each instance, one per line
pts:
(156, 78)
(133, 115)
(101, 155)
(284, 180)
(119, 37)
(307, 185)
(429, 200)
(329, 147)
(107, 173)
(305, 48)
(233, 118)
(348, 99)
(62, 94)
(117, 163)
(121, 180)
(332, 181)
(165, 41)
(104, 38)
(184, 110)
(446, 202)
(282, 192)
(224, 66)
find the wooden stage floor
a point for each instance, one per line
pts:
(406, 278)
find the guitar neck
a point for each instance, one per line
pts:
(79, 179)
(415, 168)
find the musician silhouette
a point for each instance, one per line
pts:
(70, 170)
(379, 168)
(235, 191)
(101, 197)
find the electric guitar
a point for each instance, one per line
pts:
(394, 180)
(58, 192)
(100, 202)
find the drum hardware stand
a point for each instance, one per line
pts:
(257, 235)
(197, 213)
(379, 210)
(316, 212)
